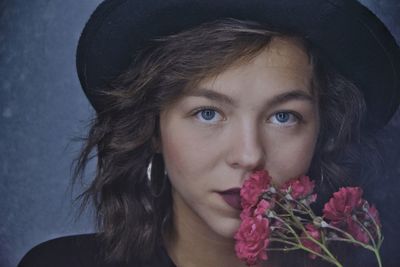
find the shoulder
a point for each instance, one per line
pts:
(76, 250)
(82, 251)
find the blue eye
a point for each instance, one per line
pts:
(207, 115)
(284, 118)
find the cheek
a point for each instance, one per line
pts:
(176, 156)
(186, 158)
(189, 150)
(291, 157)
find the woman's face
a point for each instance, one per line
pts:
(255, 115)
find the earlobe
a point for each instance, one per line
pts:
(156, 144)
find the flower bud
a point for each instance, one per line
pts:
(272, 189)
(266, 196)
(365, 206)
(271, 214)
(288, 197)
(317, 221)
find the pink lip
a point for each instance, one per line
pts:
(232, 197)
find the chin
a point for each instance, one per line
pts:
(226, 227)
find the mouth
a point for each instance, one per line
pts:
(232, 197)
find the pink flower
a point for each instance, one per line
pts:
(367, 217)
(346, 210)
(314, 233)
(252, 239)
(247, 212)
(262, 207)
(373, 215)
(253, 187)
(343, 204)
(356, 231)
(299, 188)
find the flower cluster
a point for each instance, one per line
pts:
(280, 218)
(252, 239)
(348, 211)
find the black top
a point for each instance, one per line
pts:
(85, 251)
(81, 251)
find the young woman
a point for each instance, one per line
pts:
(191, 97)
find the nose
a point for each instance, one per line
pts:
(246, 148)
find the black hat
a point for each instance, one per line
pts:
(354, 39)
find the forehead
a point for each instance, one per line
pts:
(287, 57)
(282, 54)
(288, 51)
(280, 73)
(283, 64)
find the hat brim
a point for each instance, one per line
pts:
(353, 38)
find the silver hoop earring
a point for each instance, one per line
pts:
(149, 169)
(322, 176)
(157, 175)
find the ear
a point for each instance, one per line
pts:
(156, 144)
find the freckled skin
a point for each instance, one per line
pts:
(203, 156)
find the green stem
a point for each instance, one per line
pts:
(353, 241)
(289, 228)
(300, 246)
(374, 249)
(283, 241)
(283, 249)
(377, 227)
(301, 227)
(378, 257)
(367, 231)
(321, 245)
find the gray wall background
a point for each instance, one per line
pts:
(42, 108)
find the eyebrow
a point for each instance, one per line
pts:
(291, 95)
(212, 95)
(274, 101)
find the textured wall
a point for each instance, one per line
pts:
(42, 108)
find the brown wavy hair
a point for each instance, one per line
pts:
(134, 212)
